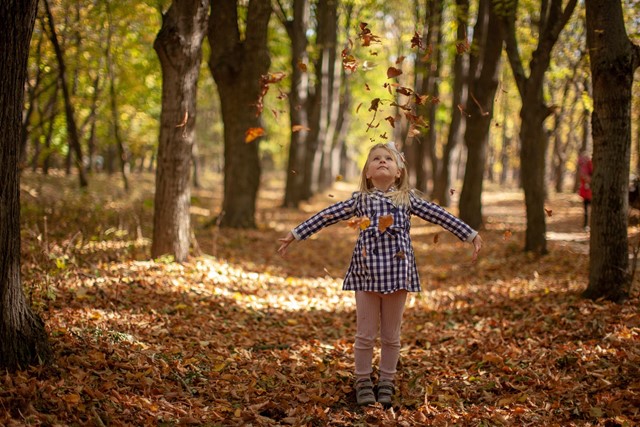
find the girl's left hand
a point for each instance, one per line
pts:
(477, 245)
(284, 243)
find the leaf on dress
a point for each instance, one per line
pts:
(385, 222)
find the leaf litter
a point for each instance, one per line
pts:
(247, 338)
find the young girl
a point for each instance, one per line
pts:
(383, 268)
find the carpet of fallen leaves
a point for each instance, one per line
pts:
(238, 336)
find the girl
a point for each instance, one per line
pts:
(382, 269)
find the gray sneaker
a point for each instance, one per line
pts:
(364, 392)
(386, 390)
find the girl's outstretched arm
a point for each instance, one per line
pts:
(284, 243)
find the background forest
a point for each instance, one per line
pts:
(201, 132)
(115, 85)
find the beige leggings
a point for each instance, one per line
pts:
(373, 309)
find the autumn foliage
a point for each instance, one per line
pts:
(240, 336)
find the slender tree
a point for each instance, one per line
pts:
(534, 111)
(484, 70)
(238, 61)
(123, 150)
(442, 181)
(22, 334)
(72, 128)
(614, 59)
(323, 102)
(297, 27)
(179, 47)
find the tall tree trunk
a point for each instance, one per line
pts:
(442, 181)
(297, 30)
(613, 62)
(123, 150)
(72, 129)
(484, 70)
(22, 334)
(179, 48)
(237, 64)
(321, 103)
(427, 77)
(339, 112)
(534, 112)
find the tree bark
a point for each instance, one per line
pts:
(484, 70)
(442, 181)
(614, 58)
(324, 98)
(22, 334)
(179, 48)
(297, 30)
(534, 112)
(237, 64)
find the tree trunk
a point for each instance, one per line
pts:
(123, 150)
(532, 164)
(72, 129)
(484, 70)
(297, 31)
(427, 74)
(237, 64)
(442, 181)
(534, 112)
(179, 48)
(323, 100)
(22, 334)
(613, 62)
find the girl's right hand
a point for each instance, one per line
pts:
(284, 243)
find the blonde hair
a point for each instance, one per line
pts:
(399, 196)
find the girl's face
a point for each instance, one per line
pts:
(382, 168)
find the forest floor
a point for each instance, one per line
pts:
(239, 336)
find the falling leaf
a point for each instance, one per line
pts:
(330, 195)
(413, 132)
(375, 103)
(184, 120)
(384, 222)
(400, 255)
(391, 121)
(452, 191)
(366, 36)
(416, 41)
(462, 46)
(436, 238)
(393, 72)
(339, 178)
(359, 222)
(298, 128)
(549, 212)
(365, 223)
(507, 235)
(302, 66)
(253, 133)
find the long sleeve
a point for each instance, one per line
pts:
(337, 212)
(435, 214)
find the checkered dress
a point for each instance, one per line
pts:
(383, 261)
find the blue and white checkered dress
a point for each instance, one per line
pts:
(383, 261)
